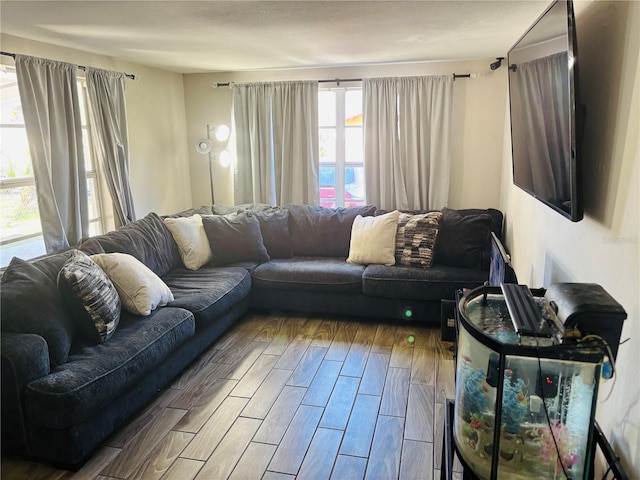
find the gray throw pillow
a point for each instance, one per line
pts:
(235, 239)
(90, 297)
(274, 226)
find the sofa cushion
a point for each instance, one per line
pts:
(31, 303)
(416, 238)
(202, 210)
(95, 375)
(192, 241)
(209, 292)
(373, 239)
(227, 209)
(140, 290)
(147, 239)
(274, 226)
(462, 239)
(318, 274)
(235, 238)
(423, 284)
(323, 232)
(90, 297)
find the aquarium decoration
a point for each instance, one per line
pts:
(515, 403)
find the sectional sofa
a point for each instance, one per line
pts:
(78, 360)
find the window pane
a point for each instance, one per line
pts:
(11, 112)
(19, 212)
(354, 148)
(326, 108)
(327, 186)
(95, 228)
(25, 249)
(353, 186)
(88, 154)
(327, 140)
(92, 197)
(15, 160)
(353, 107)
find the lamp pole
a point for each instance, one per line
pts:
(210, 166)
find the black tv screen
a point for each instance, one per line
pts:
(543, 98)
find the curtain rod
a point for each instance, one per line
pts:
(81, 67)
(340, 80)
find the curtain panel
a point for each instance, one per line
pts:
(276, 130)
(108, 119)
(407, 137)
(49, 98)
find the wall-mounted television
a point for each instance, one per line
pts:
(546, 114)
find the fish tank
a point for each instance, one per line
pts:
(525, 400)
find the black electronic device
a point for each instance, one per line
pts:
(546, 114)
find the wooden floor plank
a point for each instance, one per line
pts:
(374, 375)
(290, 453)
(420, 413)
(254, 377)
(359, 352)
(396, 392)
(336, 414)
(402, 352)
(199, 385)
(348, 467)
(308, 366)
(205, 406)
(277, 420)
(183, 469)
(341, 343)
(285, 335)
(229, 451)
(161, 458)
(253, 462)
(423, 366)
(269, 330)
(322, 453)
(445, 379)
(384, 461)
(384, 338)
(213, 432)
(325, 333)
(137, 450)
(266, 395)
(249, 356)
(293, 354)
(320, 389)
(362, 423)
(417, 459)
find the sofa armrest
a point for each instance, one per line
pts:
(24, 358)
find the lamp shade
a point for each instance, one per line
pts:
(203, 145)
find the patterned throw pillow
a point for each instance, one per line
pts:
(416, 238)
(90, 297)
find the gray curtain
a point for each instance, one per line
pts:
(108, 119)
(49, 97)
(276, 131)
(407, 137)
(542, 86)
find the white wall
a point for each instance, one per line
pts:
(156, 114)
(478, 123)
(604, 247)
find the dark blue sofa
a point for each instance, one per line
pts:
(61, 397)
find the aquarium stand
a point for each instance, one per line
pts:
(449, 450)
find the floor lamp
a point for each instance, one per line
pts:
(205, 146)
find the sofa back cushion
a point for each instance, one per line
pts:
(274, 226)
(31, 303)
(235, 239)
(323, 232)
(149, 240)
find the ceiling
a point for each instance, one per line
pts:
(219, 36)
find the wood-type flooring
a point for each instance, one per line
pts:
(288, 396)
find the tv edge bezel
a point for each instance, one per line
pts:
(576, 117)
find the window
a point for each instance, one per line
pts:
(341, 147)
(20, 228)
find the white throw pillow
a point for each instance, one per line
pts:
(140, 290)
(373, 239)
(193, 244)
